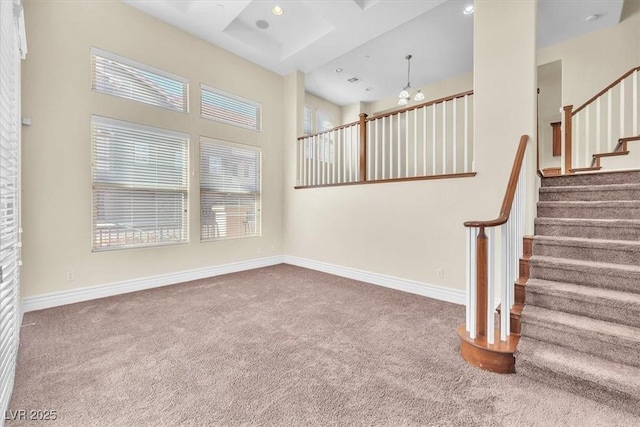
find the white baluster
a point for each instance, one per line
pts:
(471, 302)
(343, 167)
(609, 121)
(384, 155)
(334, 152)
(635, 103)
(444, 137)
(598, 136)
(504, 314)
(455, 135)
(376, 125)
(356, 153)
(587, 147)
(466, 133)
(399, 144)
(468, 281)
(406, 144)
(424, 141)
(391, 146)
(491, 326)
(415, 142)
(433, 140)
(622, 105)
(576, 141)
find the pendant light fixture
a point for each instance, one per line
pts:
(405, 96)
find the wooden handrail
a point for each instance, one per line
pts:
(391, 113)
(424, 104)
(510, 193)
(605, 90)
(330, 130)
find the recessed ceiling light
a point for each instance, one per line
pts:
(468, 10)
(338, 70)
(369, 89)
(592, 18)
(277, 10)
(262, 24)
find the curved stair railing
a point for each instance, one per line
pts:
(491, 277)
(592, 129)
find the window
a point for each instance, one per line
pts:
(139, 185)
(12, 44)
(326, 121)
(125, 78)
(308, 120)
(230, 185)
(224, 107)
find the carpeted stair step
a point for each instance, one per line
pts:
(598, 178)
(618, 277)
(598, 303)
(590, 192)
(611, 341)
(611, 383)
(616, 229)
(609, 251)
(627, 209)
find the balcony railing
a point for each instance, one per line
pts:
(430, 140)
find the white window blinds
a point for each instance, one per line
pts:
(10, 52)
(308, 120)
(139, 185)
(224, 107)
(129, 79)
(230, 184)
(326, 121)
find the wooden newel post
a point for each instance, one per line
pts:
(482, 278)
(363, 147)
(568, 114)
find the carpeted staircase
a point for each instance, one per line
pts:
(581, 321)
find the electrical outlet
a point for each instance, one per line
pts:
(71, 276)
(440, 273)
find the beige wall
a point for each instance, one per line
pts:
(591, 62)
(56, 148)
(411, 230)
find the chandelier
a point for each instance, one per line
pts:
(405, 96)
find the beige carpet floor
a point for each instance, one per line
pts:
(279, 346)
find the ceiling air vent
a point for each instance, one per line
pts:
(354, 79)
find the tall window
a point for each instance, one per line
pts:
(115, 75)
(221, 106)
(230, 186)
(139, 185)
(12, 46)
(308, 120)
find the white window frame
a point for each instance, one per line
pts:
(214, 226)
(185, 190)
(143, 67)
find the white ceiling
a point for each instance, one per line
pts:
(368, 39)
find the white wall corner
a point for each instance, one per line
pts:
(455, 296)
(101, 291)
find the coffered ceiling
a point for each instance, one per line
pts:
(367, 39)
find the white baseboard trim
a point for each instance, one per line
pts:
(425, 289)
(84, 294)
